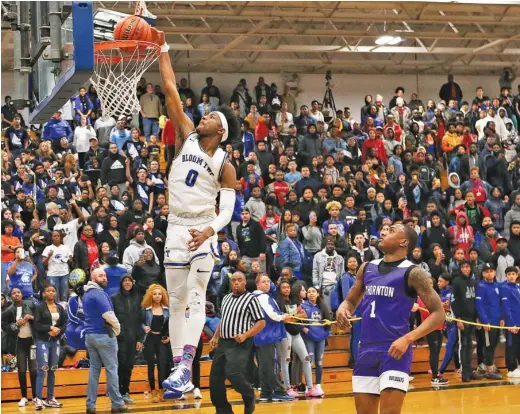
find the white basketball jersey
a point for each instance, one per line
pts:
(194, 180)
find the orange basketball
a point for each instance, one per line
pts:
(133, 28)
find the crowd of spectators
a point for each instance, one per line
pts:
(314, 195)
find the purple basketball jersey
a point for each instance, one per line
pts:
(386, 306)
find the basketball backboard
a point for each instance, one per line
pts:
(62, 56)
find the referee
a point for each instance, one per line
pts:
(241, 319)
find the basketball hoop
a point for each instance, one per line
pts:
(118, 67)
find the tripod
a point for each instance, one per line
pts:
(328, 100)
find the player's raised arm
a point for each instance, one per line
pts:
(419, 281)
(173, 101)
(349, 305)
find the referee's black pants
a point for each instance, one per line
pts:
(230, 362)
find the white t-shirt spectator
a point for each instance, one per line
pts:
(71, 232)
(82, 137)
(58, 265)
(104, 129)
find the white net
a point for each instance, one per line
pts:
(118, 67)
(142, 10)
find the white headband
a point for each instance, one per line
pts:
(224, 123)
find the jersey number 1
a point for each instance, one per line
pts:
(373, 309)
(191, 178)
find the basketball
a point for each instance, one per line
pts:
(133, 28)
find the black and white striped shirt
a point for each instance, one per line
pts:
(239, 314)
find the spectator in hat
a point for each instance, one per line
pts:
(134, 252)
(488, 245)
(120, 135)
(56, 128)
(222, 236)
(502, 259)
(114, 272)
(95, 151)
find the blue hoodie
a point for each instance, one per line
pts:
(445, 294)
(54, 129)
(487, 302)
(239, 205)
(274, 330)
(510, 297)
(249, 143)
(315, 333)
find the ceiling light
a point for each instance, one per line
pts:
(388, 40)
(383, 40)
(395, 40)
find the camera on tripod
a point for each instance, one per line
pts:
(328, 99)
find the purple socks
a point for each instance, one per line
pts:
(187, 355)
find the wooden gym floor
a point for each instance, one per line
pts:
(477, 397)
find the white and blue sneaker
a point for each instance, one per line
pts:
(172, 395)
(178, 379)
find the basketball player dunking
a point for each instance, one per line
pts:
(199, 173)
(386, 290)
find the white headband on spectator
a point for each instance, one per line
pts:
(224, 123)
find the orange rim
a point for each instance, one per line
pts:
(124, 44)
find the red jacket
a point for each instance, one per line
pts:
(485, 212)
(281, 189)
(398, 131)
(425, 314)
(467, 140)
(168, 133)
(261, 130)
(379, 150)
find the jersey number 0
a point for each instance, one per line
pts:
(191, 178)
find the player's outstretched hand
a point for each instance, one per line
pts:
(343, 316)
(399, 347)
(158, 37)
